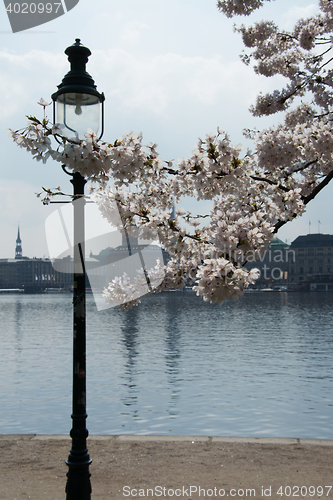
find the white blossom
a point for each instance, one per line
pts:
(43, 103)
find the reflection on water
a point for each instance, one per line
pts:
(174, 365)
(129, 337)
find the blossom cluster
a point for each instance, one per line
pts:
(125, 291)
(301, 55)
(239, 7)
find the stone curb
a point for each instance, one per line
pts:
(163, 438)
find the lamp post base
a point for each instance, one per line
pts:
(78, 485)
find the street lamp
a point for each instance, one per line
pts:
(77, 105)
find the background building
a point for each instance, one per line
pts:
(32, 275)
(313, 266)
(305, 264)
(38, 275)
(18, 248)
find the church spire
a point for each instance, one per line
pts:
(18, 248)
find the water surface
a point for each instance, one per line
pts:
(174, 365)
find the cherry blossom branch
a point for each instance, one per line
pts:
(251, 197)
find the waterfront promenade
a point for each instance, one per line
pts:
(33, 467)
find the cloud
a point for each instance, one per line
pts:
(131, 32)
(164, 85)
(161, 83)
(22, 76)
(292, 15)
(13, 90)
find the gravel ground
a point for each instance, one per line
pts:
(33, 466)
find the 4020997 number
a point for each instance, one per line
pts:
(304, 491)
(33, 8)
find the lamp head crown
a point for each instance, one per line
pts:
(78, 80)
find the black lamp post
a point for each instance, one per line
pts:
(78, 106)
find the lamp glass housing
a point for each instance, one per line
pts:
(78, 112)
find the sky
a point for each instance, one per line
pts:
(168, 68)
